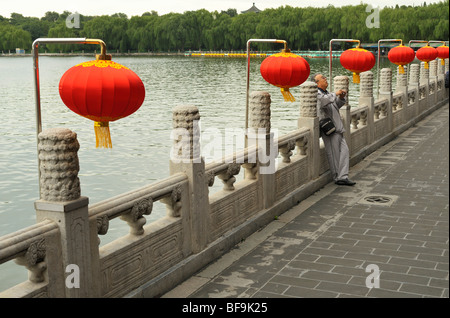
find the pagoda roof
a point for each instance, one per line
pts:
(252, 9)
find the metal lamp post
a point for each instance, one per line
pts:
(35, 53)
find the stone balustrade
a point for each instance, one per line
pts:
(62, 252)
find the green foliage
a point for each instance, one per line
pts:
(12, 37)
(302, 27)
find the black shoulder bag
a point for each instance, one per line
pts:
(326, 125)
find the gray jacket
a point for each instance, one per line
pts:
(328, 105)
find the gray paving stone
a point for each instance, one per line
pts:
(384, 293)
(412, 262)
(294, 281)
(305, 266)
(422, 290)
(344, 288)
(408, 278)
(310, 293)
(324, 276)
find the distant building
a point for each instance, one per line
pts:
(20, 51)
(252, 9)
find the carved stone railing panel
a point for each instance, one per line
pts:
(28, 248)
(135, 218)
(227, 176)
(411, 97)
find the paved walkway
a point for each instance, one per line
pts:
(394, 220)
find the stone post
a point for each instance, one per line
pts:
(186, 158)
(424, 73)
(402, 87)
(342, 82)
(61, 202)
(425, 80)
(446, 67)
(260, 134)
(308, 118)
(414, 71)
(386, 93)
(366, 98)
(434, 79)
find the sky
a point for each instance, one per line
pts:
(38, 8)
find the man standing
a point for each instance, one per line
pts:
(328, 105)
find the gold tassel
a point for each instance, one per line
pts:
(356, 78)
(442, 62)
(102, 134)
(401, 69)
(426, 65)
(288, 97)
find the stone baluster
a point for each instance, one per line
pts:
(402, 78)
(434, 79)
(414, 82)
(441, 67)
(424, 74)
(386, 93)
(259, 123)
(186, 158)
(414, 72)
(342, 82)
(402, 87)
(446, 67)
(366, 98)
(260, 134)
(433, 68)
(61, 202)
(308, 118)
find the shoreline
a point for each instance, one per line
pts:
(91, 54)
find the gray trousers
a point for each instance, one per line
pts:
(338, 155)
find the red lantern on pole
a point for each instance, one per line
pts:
(357, 60)
(285, 70)
(426, 54)
(442, 53)
(102, 91)
(401, 55)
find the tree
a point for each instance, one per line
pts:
(303, 28)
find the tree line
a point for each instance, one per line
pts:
(304, 28)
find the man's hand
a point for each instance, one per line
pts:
(341, 93)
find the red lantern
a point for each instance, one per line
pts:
(285, 70)
(401, 55)
(426, 54)
(442, 53)
(357, 60)
(102, 91)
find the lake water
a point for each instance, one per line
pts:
(141, 142)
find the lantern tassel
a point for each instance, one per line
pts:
(287, 95)
(401, 69)
(442, 61)
(356, 78)
(102, 134)
(426, 66)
